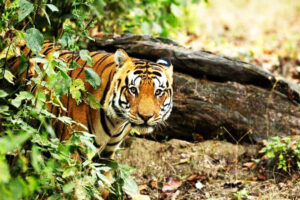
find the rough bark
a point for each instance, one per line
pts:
(231, 109)
(217, 94)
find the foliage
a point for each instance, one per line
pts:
(285, 152)
(241, 194)
(34, 163)
(158, 17)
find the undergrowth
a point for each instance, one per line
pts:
(283, 153)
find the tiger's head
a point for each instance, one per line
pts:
(141, 92)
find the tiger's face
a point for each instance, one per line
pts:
(142, 92)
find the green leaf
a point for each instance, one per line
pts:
(67, 188)
(59, 83)
(130, 186)
(12, 143)
(47, 16)
(25, 9)
(92, 77)
(9, 76)
(23, 64)
(36, 159)
(52, 7)
(3, 94)
(23, 95)
(85, 55)
(4, 170)
(34, 40)
(67, 40)
(92, 101)
(270, 154)
(69, 171)
(76, 88)
(3, 109)
(65, 119)
(176, 10)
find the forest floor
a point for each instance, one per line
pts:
(210, 169)
(265, 33)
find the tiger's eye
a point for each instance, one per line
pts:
(158, 92)
(133, 90)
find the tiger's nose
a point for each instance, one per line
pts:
(145, 117)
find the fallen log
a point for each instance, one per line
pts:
(215, 95)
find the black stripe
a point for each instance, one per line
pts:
(108, 65)
(51, 110)
(106, 90)
(99, 62)
(23, 47)
(28, 65)
(49, 48)
(12, 59)
(47, 41)
(158, 81)
(157, 73)
(138, 72)
(97, 53)
(96, 144)
(114, 136)
(88, 123)
(103, 123)
(81, 70)
(62, 54)
(113, 144)
(89, 112)
(72, 57)
(120, 99)
(106, 154)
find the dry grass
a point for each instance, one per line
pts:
(219, 167)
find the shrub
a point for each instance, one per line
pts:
(284, 152)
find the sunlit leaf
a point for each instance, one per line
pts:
(34, 40)
(4, 170)
(176, 10)
(37, 160)
(67, 39)
(130, 186)
(3, 94)
(76, 89)
(52, 7)
(85, 55)
(25, 9)
(92, 101)
(23, 64)
(12, 143)
(3, 109)
(92, 77)
(23, 95)
(9, 76)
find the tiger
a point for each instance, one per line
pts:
(133, 94)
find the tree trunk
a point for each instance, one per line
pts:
(217, 96)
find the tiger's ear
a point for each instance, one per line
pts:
(164, 61)
(120, 57)
(167, 63)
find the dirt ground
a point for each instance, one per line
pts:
(206, 170)
(265, 33)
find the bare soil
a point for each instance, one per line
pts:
(210, 169)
